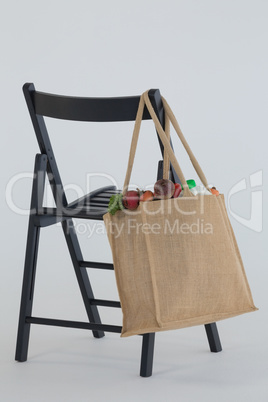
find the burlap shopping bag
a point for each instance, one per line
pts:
(176, 261)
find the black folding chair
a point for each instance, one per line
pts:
(91, 206)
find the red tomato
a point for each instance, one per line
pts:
(177, 190)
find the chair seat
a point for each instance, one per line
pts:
(91, 206)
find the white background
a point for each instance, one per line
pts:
(209, 59)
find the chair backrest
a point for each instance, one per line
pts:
(42, 105)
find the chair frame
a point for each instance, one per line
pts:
(42, 105)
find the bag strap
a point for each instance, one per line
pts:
(187, 148)
(134, 142)
(164, 136)
(165, 141)
(166, 162)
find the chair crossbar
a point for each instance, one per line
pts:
(97, 265)
(105, 303)
(74, 324)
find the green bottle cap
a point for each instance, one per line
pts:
(191, 183)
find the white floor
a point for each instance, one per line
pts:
(70, 365)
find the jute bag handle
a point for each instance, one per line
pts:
(164, 136)
(134, 142)
(166, 142)
(166, 162)
(177, 128)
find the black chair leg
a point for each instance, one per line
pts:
(81, 275)
(27, 291)
(213, 337)
(147, 355)
(30, 260)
